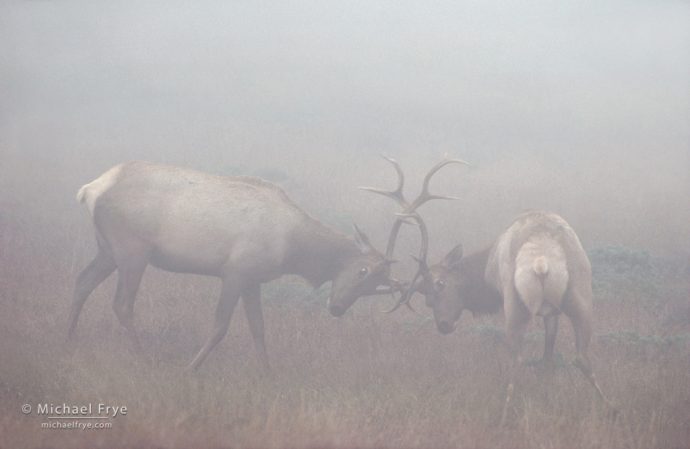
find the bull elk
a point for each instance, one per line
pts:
(243, 230)
(537, 267)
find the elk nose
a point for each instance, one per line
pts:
(336, 310)
(445, 327)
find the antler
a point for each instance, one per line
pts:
(406, 293)
(425, 195)
(408, 208)
(409, 211)
(399, 197)
(396, 194)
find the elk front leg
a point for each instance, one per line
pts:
(226, 304)
(251, 298)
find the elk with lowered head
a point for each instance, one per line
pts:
(536, 267)
(243, 230)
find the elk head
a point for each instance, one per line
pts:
(444, 285)
(361, 276)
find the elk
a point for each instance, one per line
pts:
(243, 230)
(536, 267)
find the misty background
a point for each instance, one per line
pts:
(582, 108)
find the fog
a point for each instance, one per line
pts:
(581, 108)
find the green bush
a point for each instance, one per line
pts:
(619, 270)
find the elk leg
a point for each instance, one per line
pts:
(129, 279)
(91, 277)
(517, 318)
(251, 298)
(226, 304)
(583, 333)
(550, 332)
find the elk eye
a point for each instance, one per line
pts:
(440, 285)
(363, 272)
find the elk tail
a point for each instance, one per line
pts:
(81, 194)
(540, 267)
(89, 193)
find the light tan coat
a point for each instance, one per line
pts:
(243, 230)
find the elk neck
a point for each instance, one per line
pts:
(480, 297)
(317, 253)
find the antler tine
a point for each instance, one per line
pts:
(395, 307)
(424, 244)
(406, 294)
(396, 286)
(425, 196)
(404, 299)
(396, 194)
(390, 246)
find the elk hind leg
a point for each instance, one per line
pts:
(550, 332)
(251, 298)
(129, 279)
(91, 277)
(582, 326)
(517, 319)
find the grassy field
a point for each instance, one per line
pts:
(368, 380)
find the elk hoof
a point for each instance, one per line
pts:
(445, 327)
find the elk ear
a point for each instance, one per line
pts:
(362, 241)
(452, 259)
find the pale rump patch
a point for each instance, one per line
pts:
(541, 275)
(90, 192)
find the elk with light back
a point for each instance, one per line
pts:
(537, 267)
(242, 230)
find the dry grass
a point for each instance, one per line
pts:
(368, 380)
